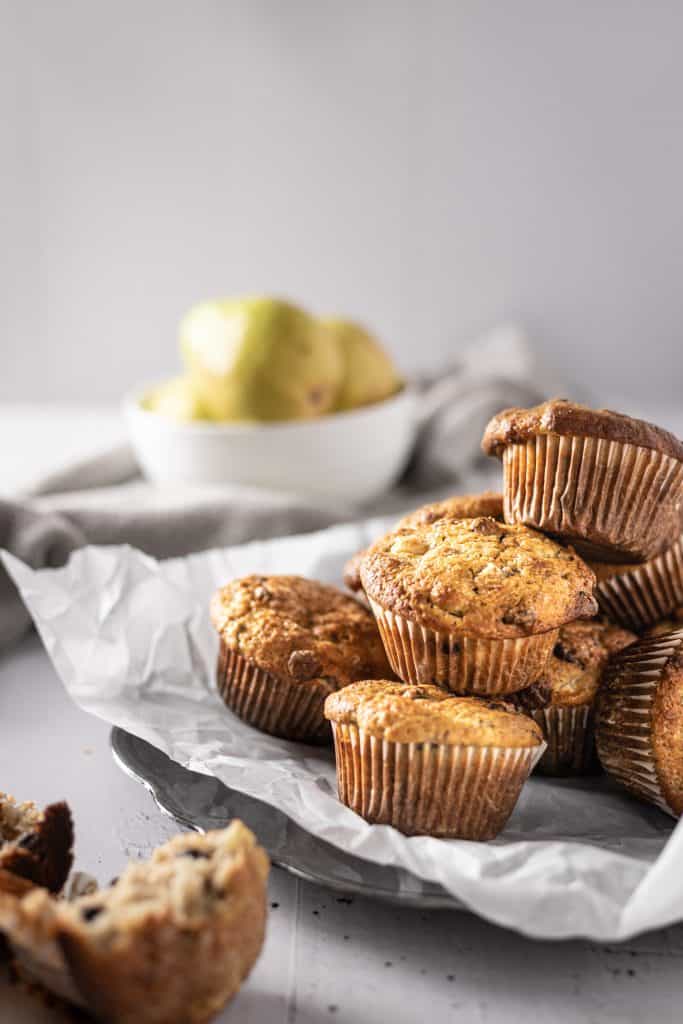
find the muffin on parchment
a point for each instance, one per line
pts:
(639, 596)
(460, 506)
(286, 643)
(562, 702)
(610, 485)
(474, 605)
(639, 720)
(171, 940)
(34, 844)
(429, 763)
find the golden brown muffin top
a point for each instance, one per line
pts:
(299, 629)
(574, 670)
(460, 506)
(427, 714)
(478, 576)
(659, 657)
(558, 416)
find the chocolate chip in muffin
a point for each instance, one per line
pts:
(90, 913)
(564, 654)
(304, 665)
(520, 616)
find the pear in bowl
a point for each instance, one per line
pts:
(259, 359)
(368, 372)
(175, 399)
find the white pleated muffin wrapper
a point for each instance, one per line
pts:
(464, 664)
(131, 640)
(441, 789)
(642, 595)
(570, 742)
(624, 721)
(598, 495)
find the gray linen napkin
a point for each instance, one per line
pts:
(104, 500)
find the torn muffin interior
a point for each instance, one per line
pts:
(195, 893)
(17, 818)
(182, 883)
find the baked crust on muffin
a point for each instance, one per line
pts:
(36, 845)
(427, 714)
(300, 629)
(574, 669)
(478, 576)
(562, 701)
(286, 643)
(460, 506)
(427, 762)
(559, 416)
(639, 721)
(608, 484)
(171, 940)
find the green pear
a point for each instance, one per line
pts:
(369, 374)
(259, 359)
(174, 399)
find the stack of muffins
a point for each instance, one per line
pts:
(475, 650)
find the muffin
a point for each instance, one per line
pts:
(460, 506)
(562, 701)
(674, 621)
(639, 720)
(427, 762)
(36, 845)
(171, 940)
(639, 596)
(474, 605)
(285, 644)
(609, 484)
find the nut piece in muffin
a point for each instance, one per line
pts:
(171, 940)
(562, 701)
(286, 643)
(429, 763)
(609, 484)
(36, 845)
(639, 596)
(639, 720)
(474, 604)
(460, 506)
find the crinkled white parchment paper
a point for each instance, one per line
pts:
(131, 640)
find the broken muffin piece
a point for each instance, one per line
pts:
(171, 941)
(36, 845)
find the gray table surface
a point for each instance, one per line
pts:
(325, 959)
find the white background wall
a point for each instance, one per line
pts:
(430, 167)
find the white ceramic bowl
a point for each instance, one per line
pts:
(348, 456)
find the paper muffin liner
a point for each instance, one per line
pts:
(623, 729)
(436, 789)
(613, 501)
(570, 737)
(292, 711)
(463, 664)
(642, 596)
